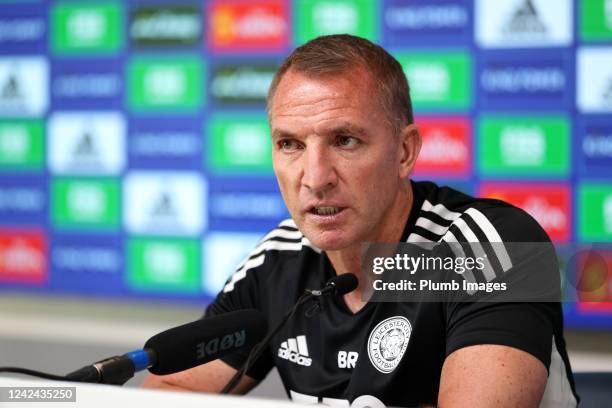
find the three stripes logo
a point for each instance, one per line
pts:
(295, 350)
(465, 232)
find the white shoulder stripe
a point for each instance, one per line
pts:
(288, 223)
(306, 242)
(451, 239)
(241, 272)
(414, 237)
(479, 252)
(493, 236)
(267, 244)
(281, 233)
(441, 210)
(431, 226)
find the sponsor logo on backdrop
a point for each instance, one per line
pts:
(549, 204)
(24, 84)
(80, 87)
(223, 254)
(23, 199)
(239, 145)
(86, 142)
(171, 144)
(20, 29)
(247, 205)
(594, 79)
(23, 256)
(524, 145)
(175, 25)
(519, 79)
(257, 25)
(523, 23)
(86, 28)
(164, 203)
(88, 263)
(164, 265)
(438, 81)
(323, 17)
(237, 84)
(85, 203)
(87, 258)
(595, 212)
(21, 144)
(388, 342)
(446, 147)
(595, 20)
(596, 143)
(425, 16)
(158, 143)
(446, 21)
(165, 84)
(332, 18)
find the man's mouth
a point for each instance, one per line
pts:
(325, 210)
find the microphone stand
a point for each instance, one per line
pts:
(261, 346)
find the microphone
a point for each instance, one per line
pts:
(337, 286)
(180, 348)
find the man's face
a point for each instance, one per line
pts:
(337, 161)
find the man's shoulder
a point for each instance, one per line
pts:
(282, 243)
(446, 214)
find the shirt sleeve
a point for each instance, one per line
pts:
(530, 261)
(243, 290)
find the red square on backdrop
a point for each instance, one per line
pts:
(241, 25)
(548, 203)
(23, 256)
(447, 149)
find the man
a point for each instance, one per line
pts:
(344, 144)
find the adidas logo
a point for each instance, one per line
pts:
(295, 350)
(525, 20)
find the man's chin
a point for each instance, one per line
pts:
(330, 241)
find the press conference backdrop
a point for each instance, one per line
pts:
(135, 154)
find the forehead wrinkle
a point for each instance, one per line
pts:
(321, 105)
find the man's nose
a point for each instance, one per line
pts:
(319, 170)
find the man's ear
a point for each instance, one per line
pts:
(410, 146)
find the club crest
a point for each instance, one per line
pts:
(388, 343)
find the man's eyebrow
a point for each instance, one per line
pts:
(347, 128)
(281, 134)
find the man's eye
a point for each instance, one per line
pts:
(347, 141)
(288, 145)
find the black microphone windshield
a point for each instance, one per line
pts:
(204, 340)
(344, 283)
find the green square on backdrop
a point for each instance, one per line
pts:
(86, 28)
(85, 203)
(22, 145)
(314, 18)
(164, 264)
(165, 84)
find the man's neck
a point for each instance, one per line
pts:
(349, 259)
